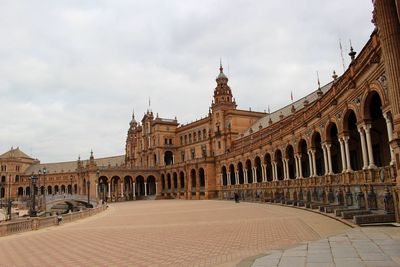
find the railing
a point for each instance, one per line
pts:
(23, 225)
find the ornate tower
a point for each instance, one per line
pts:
(131, 141)
(223, 98)
(222, 105)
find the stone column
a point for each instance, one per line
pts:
(276, 171)
(109, 189)
(296, 164)
(363, 147)
(325, 159)
(369, 145)
(342, 154)
(346, 148)
(134, 190)
(285, 169)
(237, 177)
(314, 162)
(329, 156)
(255, 175)
(228, 178)
(122, 189)
(264, 172)
(245, 176)
(300, 167)
(389, 128)
(157, 193)
(273, 170)
(310, 161)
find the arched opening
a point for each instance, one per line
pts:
(103, 188)
(151, 185)
(56, 189)
(291, 161)
(128, 187)
(175, 182)
(27, 191)
(182, 178)
(249, 171)
(333, 140)
(232, 174)
(279, 164)
(42, 190)
(379, 134)
(354, 140)
(305, 162)
(162, 183)
(268, 167)
(115, 187)
(168, 158)
(193, 180)
(69, 189)
(139, 186)
(168, 182)
(319, 154)
(202, 179)
(62, 189)
(75, 189)
(49, 190)
(258, 174)
(20, 192)
(224, 176)
(241, 175)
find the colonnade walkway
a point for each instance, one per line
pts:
(168, 233)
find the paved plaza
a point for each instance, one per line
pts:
(168, 233)
(360, 247)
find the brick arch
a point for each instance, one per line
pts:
(346, 115)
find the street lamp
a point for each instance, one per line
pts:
(9, 198)
(71, 183)
(33, 182)
(45, 190)
(2, 185)
(88, 193)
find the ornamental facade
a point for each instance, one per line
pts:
(340, 145)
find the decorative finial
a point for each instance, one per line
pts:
(334, 75)
(319, 83)
(221, 69)
(352, 53)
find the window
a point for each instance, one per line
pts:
(170, 141)
(219, 144)
(199, 134)
(204, 134)
(165, 141)
(16, 178)
(194, 137)
(185, 139)
(181, 140)
(190, 138)
(183, 156)
(193, 153)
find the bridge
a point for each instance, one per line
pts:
(67, 202)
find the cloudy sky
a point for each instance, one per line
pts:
(72, 71)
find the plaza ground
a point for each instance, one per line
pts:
(168, 233)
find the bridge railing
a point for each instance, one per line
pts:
(23, 225)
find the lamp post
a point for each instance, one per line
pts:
(45, 190)
(9, 198)
(70, 178)
(88, 193)
(33, 182)
(1, 192)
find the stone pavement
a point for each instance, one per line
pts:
(168, 233)
(371, 246)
